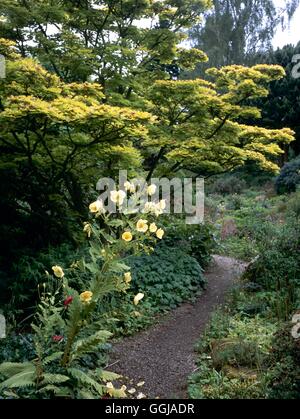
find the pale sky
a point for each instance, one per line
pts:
(290, 35)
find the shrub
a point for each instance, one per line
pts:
(30, 271)
(229, 185)
(232, 358)
(235, 202)
(284, 364)
(168, 277)
(293, 205)
(236, 352)
(277, 270)
(289, 177)
(197, 241)
(208, 383)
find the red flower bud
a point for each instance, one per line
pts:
(57, 338)
(68, 300)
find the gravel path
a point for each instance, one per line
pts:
(163, 355)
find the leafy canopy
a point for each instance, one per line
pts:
(92, 88)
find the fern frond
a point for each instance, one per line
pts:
(50, 388)
(54, 378)
(9, 369)
(58, 391)
(89, 344)
(11, 394)
(52, 357)
(22, 379)
(108, 375)
(86, 380)
(85, 394)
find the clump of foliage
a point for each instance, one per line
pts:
(284, 377)
(65, 329)
(247, 355)
(293, 205)
(228, 185)
(278, 268)
(289, 177)
(253, 217)
(168, 276)
(25, 275)
(232, 355)
(197, 241)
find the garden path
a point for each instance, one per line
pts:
(163, 355)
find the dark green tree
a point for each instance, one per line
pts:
(282, 107)
(113, 42)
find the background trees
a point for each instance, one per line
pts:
(282, 108)
(241, 32)
(234, 31)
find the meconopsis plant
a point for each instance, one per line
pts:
(66, 328)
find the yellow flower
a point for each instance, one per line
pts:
(122, 392)
(159, 234)
(127, 236)
(154, 208)
(142, 226)
(162, 204)
(151, 190)
(117, 197)
(138, 298)
(86, 297)
(149, 207)
(127, 277)
(114, 392)
(58, 272)
(153, 228)
(87, 229)
(129, 187)
(96, 207)
(110, 389)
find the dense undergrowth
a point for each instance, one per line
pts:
(248, 350)
(41, 324)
